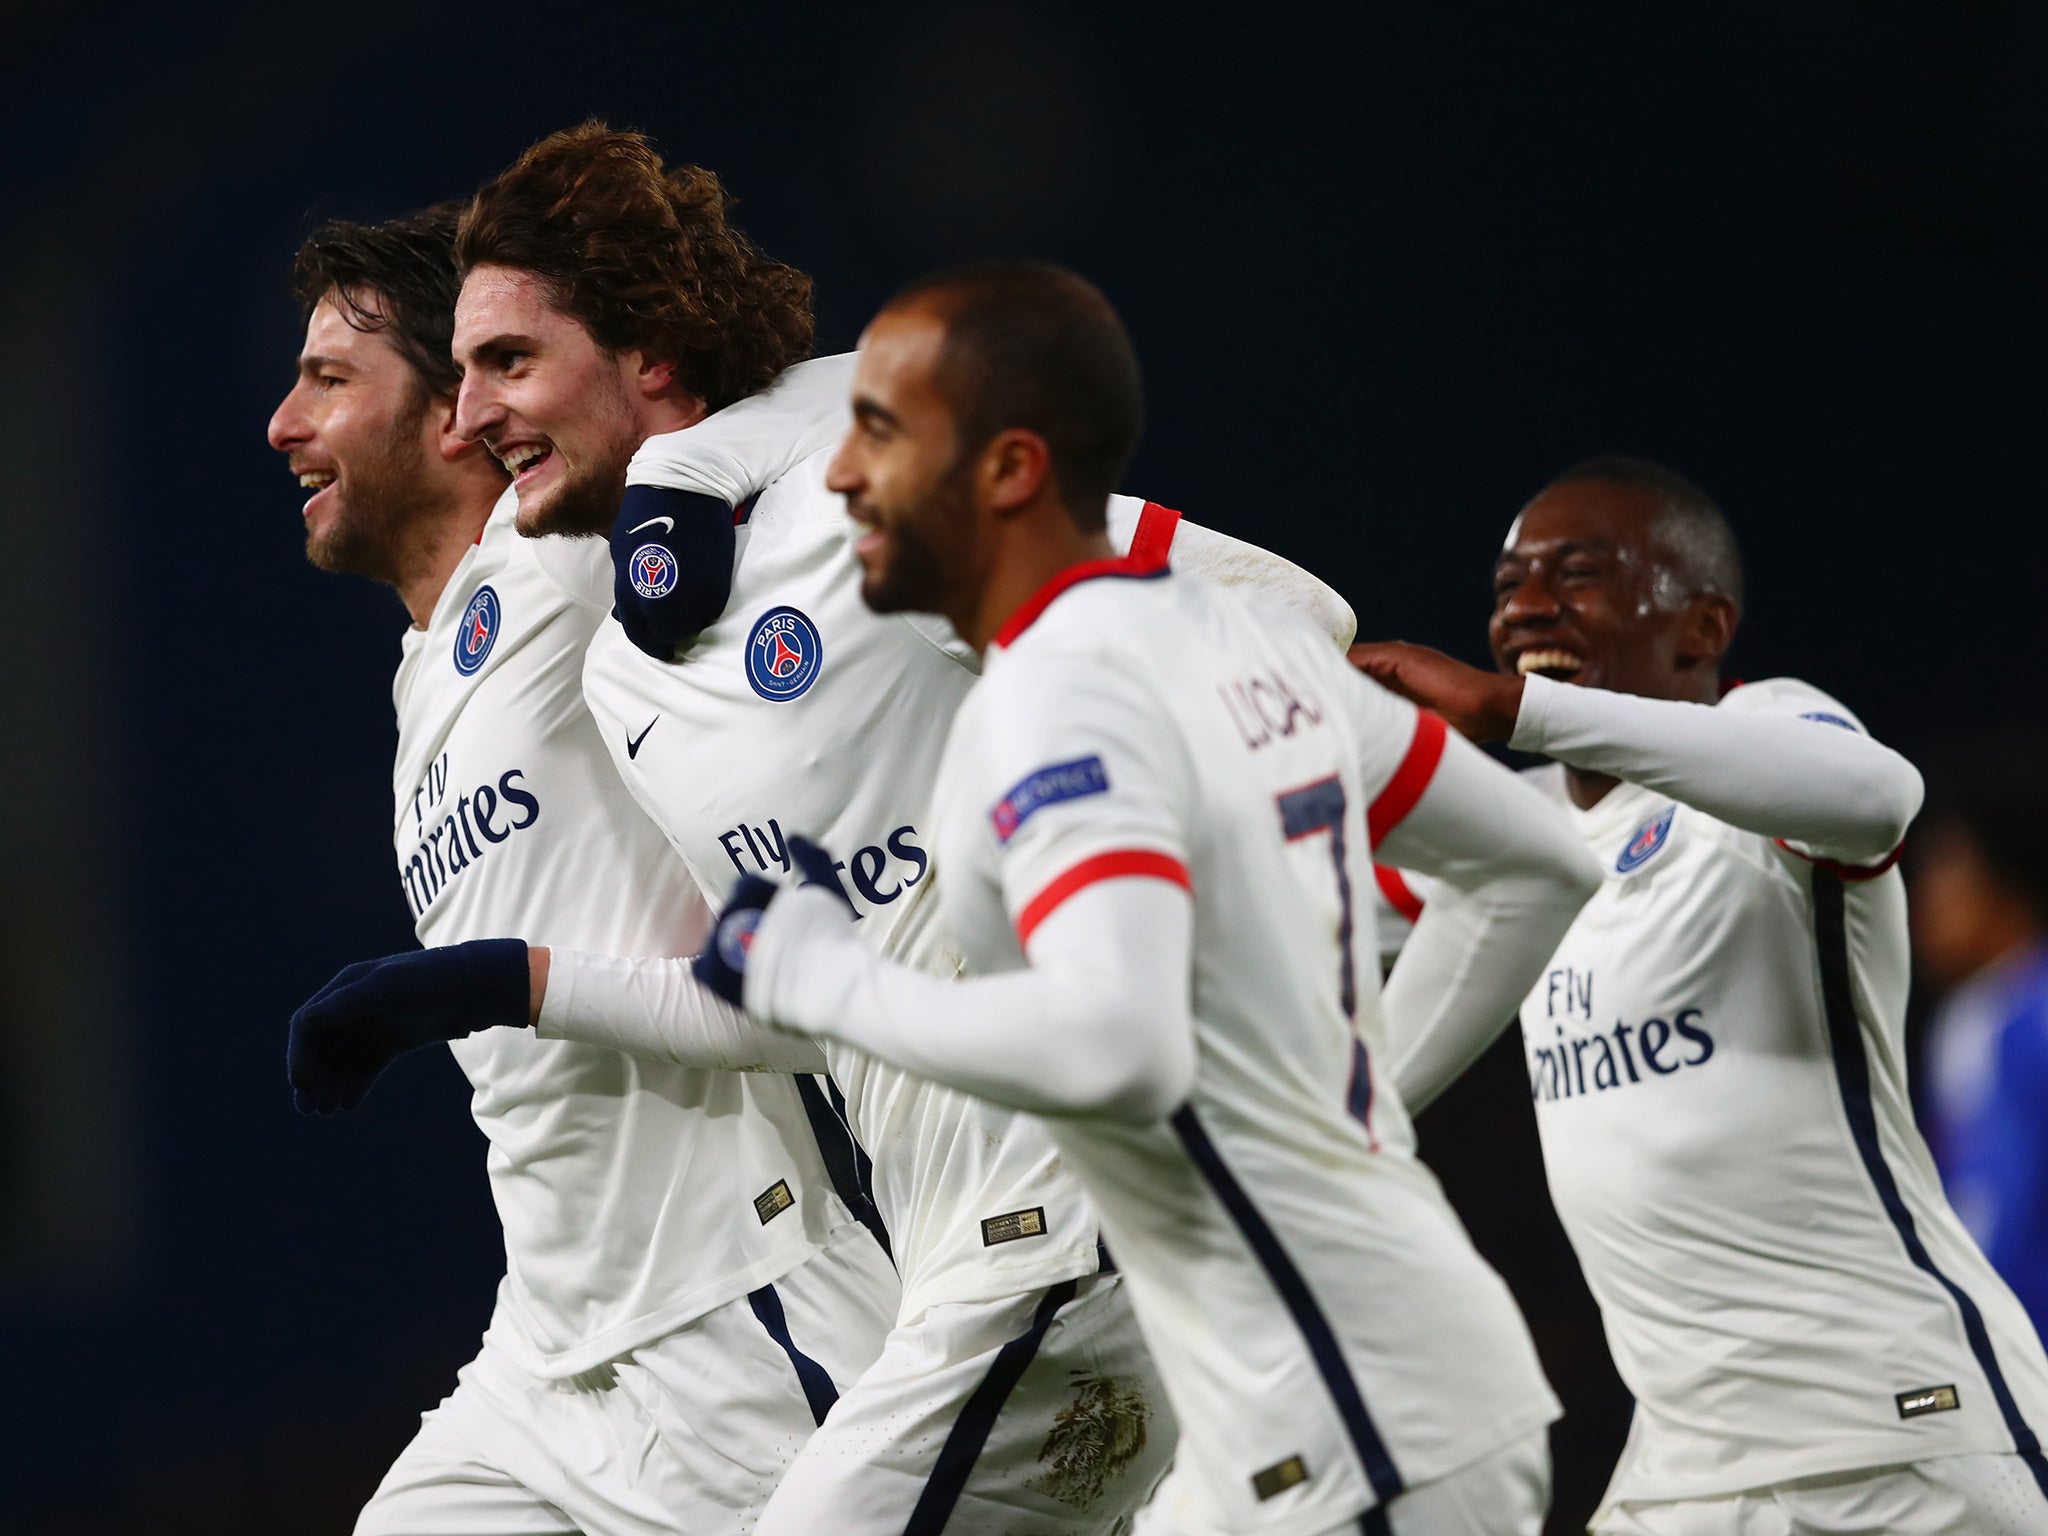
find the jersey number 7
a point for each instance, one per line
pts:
(1319, 807)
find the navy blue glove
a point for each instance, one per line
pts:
(672, 554)
(722, 964)
(376, 1010)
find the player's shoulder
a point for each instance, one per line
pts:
(738, 451)
(1792, 696)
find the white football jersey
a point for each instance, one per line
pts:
(1326, 1330)
(635, 1195)
(1718, 1065)
(800, 711)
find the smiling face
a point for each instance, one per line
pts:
(905, 475)
(1584, 593)
(360, 429)
(558, 410)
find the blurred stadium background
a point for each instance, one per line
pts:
(1388, 271)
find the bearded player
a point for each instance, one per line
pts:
(747, 693)
(682, 1287)
(1716, 1052)
(1155, 856)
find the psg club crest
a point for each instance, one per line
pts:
(653, 571)
(784, 654)
(1649, 837)
(477, 632)
(736, 936)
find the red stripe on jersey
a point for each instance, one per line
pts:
(1847, 871)
(1104, 866)
(1073, 575)
(1156, 527)
(1425, 751)
(1402, 899)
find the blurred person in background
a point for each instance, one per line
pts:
(1978, 870)
(684, 1284)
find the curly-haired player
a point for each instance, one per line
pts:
(746, 694)
(682, 1286)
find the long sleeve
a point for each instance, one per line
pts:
(1099, 1024)
(733, 453)
(656, 1008)
(1779, 758)
(1509, 877)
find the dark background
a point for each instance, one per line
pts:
(1388, 271)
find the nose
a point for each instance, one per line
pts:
(289, 428)
(1533, 600)
(842, 475)
(475, 411)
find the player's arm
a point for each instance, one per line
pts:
(1095, 885)
(1148, 531)
(673, 542)
(375, 1011)
(1779, 759)
(1508, 874)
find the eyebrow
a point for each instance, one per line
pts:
(504, 341)
(312, 362)
(1562, 551)
(868, 409)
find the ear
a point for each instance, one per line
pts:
(657, 379)
(449, 444)
(1015, 467)
(1708, 629)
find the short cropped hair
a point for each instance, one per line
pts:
(643, 257)
(1035, 346)
(1689, 522)
(397, 277)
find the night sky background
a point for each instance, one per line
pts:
(1388, 271)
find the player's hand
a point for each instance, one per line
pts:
(376, 1010)
(722, 964)
(1481, 706)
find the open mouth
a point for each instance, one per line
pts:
(317, 481)
(1560, 666)
(523, 458)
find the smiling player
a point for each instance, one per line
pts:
(754, 695)
(1155, 853)
(682, 1287)
(1716, 1052)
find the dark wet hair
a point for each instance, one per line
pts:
(397, 277)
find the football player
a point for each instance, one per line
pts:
(1716, 1051)
(1156, 813)
(746, 694)
(682, 1285)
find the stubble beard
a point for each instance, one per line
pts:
(384, 510)
(919, 575)
(584, 502)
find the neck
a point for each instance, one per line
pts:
(424, 568)
(1033, 548)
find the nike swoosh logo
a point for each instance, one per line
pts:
(633, 745)
(668, 525)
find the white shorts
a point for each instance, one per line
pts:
(1983, 1495)
(690, 1433)
(1040, 1415)
(1504, 1494)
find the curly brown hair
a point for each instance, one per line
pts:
(643, 257)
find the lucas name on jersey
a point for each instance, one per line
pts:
(452, 838)
(1561, 1070)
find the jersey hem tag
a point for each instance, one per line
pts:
(1007, 1229)
(773, 1201)
(1279, 1477)
(1927, 1400)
